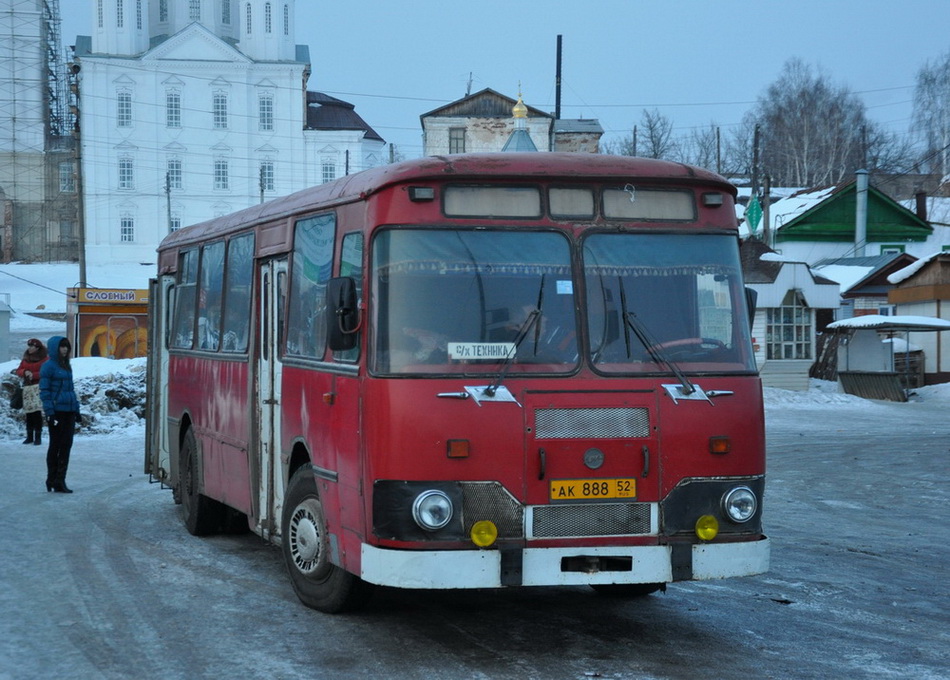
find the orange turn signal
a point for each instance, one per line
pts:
(457, 448)
(720, 445)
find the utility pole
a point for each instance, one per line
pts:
(168, 199)
(755, 162)
(260, 180)
(80, 191)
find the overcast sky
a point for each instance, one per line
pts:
(696, 61)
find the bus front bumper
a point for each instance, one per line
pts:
(448, 569)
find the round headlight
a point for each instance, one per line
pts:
(432, 510)
(739, 504)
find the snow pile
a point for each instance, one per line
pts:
(111, 396)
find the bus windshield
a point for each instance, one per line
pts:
(659, 299)
(473, 301)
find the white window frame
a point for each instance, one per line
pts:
(266, 174)
(127, 228)
(173, 173)
(221, 174)
(219, 110)
(126, 173)
(265, 110)
(172, 109)
(123, 109)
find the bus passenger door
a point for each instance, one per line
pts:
(272, 281)
(157, 453)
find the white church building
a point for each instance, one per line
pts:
(191, 109)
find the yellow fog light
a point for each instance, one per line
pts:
(484, 533)
(707, 527)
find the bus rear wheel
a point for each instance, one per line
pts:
(202, 515)
(318, 583)
(623, 590)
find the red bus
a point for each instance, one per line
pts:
(471, 371)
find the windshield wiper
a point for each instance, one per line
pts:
(526, 325)
(632, 323)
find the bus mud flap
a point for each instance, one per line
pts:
(681, 561)
(511, 567)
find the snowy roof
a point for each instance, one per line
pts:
(913, 268)
(893, 323)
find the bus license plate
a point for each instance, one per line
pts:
(592, 489)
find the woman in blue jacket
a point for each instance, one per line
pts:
(62, 411)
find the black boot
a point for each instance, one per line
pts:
(38, 436)
(29, 436)
(60, 484)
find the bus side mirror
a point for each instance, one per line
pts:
(751, 296)
(343, 312)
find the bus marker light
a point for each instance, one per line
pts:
(421, 194)
(707, 528)
(457, 448)
(329, 398)
(484, 533)
(720, 445)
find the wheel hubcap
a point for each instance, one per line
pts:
(305, 539)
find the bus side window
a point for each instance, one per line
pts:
(183, 326)
(351, 266)
(237, 301)
(311, 268)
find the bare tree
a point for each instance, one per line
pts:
(701, 146)
(656, 137)
(811, 129)
(932, 113)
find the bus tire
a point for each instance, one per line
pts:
(201, 514)
(318, 583)
(624, 590)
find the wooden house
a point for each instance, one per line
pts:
(923, 289)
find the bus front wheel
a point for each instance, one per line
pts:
(202, 515)
(318, 583)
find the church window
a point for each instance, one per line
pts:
(173, 109)
(99, 12)
(119, 14)
(266, 111)
(267, 18)
(163, 10)
(267, 175)
(138, 14)
(173, 173)
(226, 12)
(194, 10)
(127, 229)
(329, 170)
(123, 110)
(286, 19)
(126, 173)
(221, 179)
(247, 18)
(219, 110)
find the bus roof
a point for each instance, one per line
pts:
(460, 167)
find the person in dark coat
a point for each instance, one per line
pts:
(61, 407)
(29, 371)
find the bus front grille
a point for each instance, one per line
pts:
(591, 519)
(491, 501)
(591, 423)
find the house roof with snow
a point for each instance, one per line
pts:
(772, 276)
(863, 276)
(828, 214)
